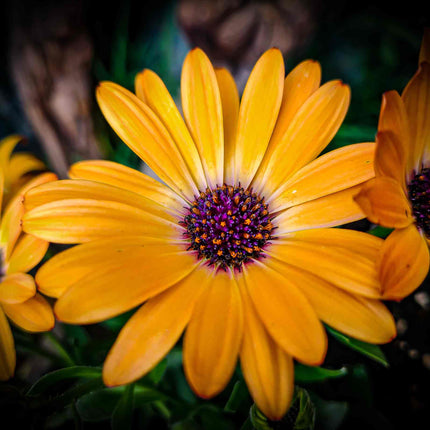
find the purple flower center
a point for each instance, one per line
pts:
(419, 195)
(228, 226)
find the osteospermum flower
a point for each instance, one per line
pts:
(235, 246)
(399, 196)
(19, 253)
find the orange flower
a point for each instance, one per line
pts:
(399, 196)
(235, 246)
(19, 253)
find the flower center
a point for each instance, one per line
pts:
(419, 195)
(228, 226)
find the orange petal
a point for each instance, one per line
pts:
(6, 147)
(312, 128)
(17, 288)
(140, 128)
(365, 319)
(286, 313)
(201, 103)
(335, 262)
(157, 97)
(390, 157)
(384, 202)
(83, 220)
(111, 173)
(153, 330)
(7, 349)
(34, 315)
(258, 112)
(66, 268)
(130, 276)
(22, 163)
(328, 211)
(332, 172)
(230, 114)
(416, 97)
(404, 263)
(299, 85)
(27, 253)
(212, 339)
(10, 226)
(267, 369)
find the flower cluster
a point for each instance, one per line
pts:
(235, 246)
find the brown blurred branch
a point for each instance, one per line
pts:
(50, 60)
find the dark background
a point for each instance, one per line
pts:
(371, 46)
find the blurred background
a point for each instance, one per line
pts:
(54, 53)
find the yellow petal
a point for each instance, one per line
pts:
(153, 330)
(157, 97)
(66, 268)
(83, 220)
(27, 253)
(34, 315)
(91, 190)
(6, 147)
(17, 288)
(140, 128)
(286, 313)
(212, 339)
(7, 349)
(416, 97)
(11, 225)
(404, 263)
(258, 112)
(384, 202)
(201, 103)
(230, 114)
(328, 211)
(425, 47)
(299, 85)
(22, 163)
(365, 319)
(111, 173)
(311, 129)
(130, 276)
(332, 172)
(340, 265)
(356, 241)
(267, 369)
(390, 157)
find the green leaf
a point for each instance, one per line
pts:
(372, 351)
(308, 374)
(300, 416)
(237, 396)
(58, 377)
(122, 416)
(156, 374)
(99, 405)
(380, 231)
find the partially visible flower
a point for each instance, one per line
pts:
(399, 196)
(19, 253)
(237, 248)
(18, 168)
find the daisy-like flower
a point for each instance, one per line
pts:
(235, 246)
(399, 196)
(19, 253)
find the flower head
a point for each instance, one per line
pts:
(235, 246)
(19, 253)
(399, 196)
